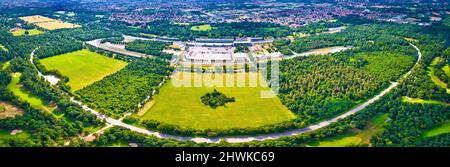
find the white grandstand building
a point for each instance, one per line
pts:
(212, 51)
(212, 55)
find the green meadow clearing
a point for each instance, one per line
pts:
(441, 129)
(6, 65)
(181, 105)
(83, 67)
(447, 70)
(3, 48)
(34, 101)
(434, 78)
(31, 32)
(5, 136)
(202, 28)
(421, 101)
(355, 138)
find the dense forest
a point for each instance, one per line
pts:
(320, 87)
(154, 48)
(358, 36)
(123, 91)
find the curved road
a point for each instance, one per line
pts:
(240, 139)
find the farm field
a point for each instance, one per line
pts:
(31, 32)
(34, 101)
(36, 19)
(56, 25)
(48, 23)
(441, 129)
(83, 67)
(355, 138)
(202, 28)
(182, 105)
(5, 136)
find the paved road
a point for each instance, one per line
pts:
(240, 139)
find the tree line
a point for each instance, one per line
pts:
(124, 90)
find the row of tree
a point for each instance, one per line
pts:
(154, 48)
(124, 90)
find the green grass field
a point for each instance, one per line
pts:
(446, 69)
(6, 65)
(3, 48)
(441, 129)
(182, 106)
(31, 32)
(434, 78)
(421, 101)
(5, 136)
(34, 101)
(206, 27)
(355, 138)
(83, 67)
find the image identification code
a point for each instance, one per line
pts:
(226, 157)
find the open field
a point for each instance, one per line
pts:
(434, 78)
(182, 105)
(335, 30)
(48, 23)
(355, 138)
(326, 50)
(3, 48)
(6, 65)
(202, 28)
(5, 136)
(411, 40)
(83, 67)
(31, 32)
(447, 70)
(56, 25)
(36, 19)
(34, 101)
(441, 129)
(9, 111)
(421, 101)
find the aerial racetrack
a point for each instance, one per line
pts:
(244, 138)
(179, 111)
(325, 81)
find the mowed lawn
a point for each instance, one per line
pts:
(441, 129)
(33, 100)
(31, 32)
(422, 101)
(202, 28)
(5, 136)
(3, 48)
(436, 79)
(182, 106)
(83, 67)
(355, 138)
